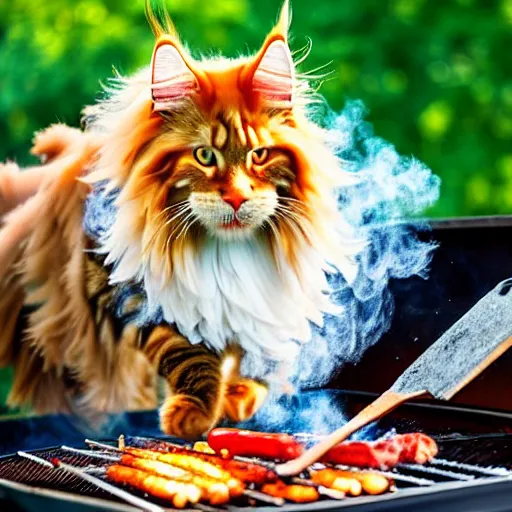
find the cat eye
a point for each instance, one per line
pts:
(259, 156)
(205, 156)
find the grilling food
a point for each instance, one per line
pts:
(192, 464)
(295, 493)
(352, 482)
(331, 479)
(183, 476)
(255, 444)
(387, 453)
(384, 454)
(364, 454)
(204, 447)
(213, 491)
(244, 471)
(417, 448)
(179, 493)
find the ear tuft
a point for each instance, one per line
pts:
(274, 76)
(172, 80)
(283, 22)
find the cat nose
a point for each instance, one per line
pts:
(234, 200)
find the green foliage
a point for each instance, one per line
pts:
(436, 76)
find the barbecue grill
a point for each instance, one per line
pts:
(442, 485)
(473, 470)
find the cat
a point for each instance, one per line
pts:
(189, 224)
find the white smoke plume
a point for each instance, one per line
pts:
(392, 190)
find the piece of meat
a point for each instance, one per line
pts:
(414, 448)
(295, 493)
(180, 494)
(387, 453)
(352, 482)
(333, 480)
(417, 448)
(192, 464)
(255, 444)
(213, 491)
(243, 471)
(364, 454)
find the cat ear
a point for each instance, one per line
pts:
(274, 76)
(274, 73)
(172, 80)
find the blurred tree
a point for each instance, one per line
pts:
(436, 76)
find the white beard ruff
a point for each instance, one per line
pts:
(236, 292)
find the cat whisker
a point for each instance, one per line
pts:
(290, 212)
(297, 207)
(182, 210)
(172, 207)
(169, 221)
(182, 224)
(298, 202)
(274, 229)
(187, 227)
(297, 224)
(301, 222)
(170, 237)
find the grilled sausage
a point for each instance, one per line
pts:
(334, 480)
(194, 465)
(255, 444)
(178, 493)
(370, 483)
(295, 493)
(244, 471)
(213, 491)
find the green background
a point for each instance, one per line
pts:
(436, 75)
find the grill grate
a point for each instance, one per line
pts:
(406, 476)
(24, 471)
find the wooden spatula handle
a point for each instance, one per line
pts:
(378, 408)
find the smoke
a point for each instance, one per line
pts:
(390, 191)
(316, 412)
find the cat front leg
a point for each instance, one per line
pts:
(243, 396)
(195, 378)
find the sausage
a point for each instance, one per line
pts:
(370, 483)
(374, 484)
(295, 493)
(335, 480)
(255, 444)
(215, 492)
(178, 493)
(192, 464)
(244, 471)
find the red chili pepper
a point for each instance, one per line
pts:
(255, 444)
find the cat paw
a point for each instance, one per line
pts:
(184, 416)
(243, 398)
